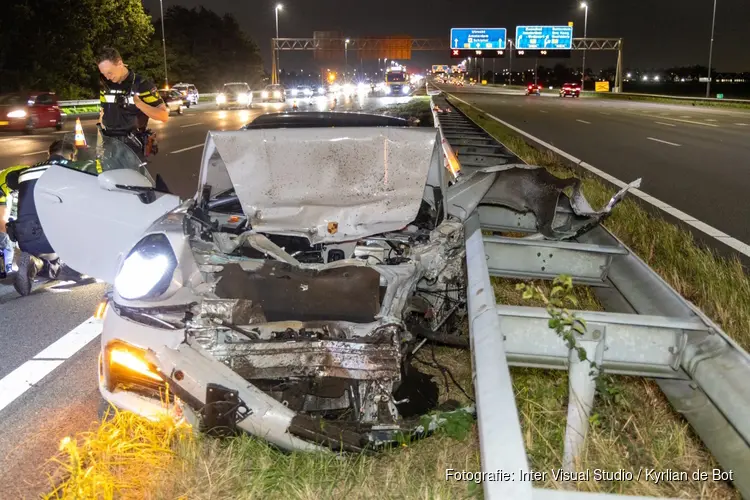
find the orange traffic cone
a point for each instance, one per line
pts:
(80, 139)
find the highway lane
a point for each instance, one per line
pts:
(695, 159)
(66, 400)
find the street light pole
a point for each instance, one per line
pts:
(346, 58)
(585, 6)
(711, 52)
(164, 44)
(278, 56)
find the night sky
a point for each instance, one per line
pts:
(656, 33)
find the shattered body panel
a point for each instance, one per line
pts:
(298, 321)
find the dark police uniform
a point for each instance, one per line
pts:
(27, 229)
(122, 119)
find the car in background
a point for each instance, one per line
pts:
(28, 111)
(273, 93)
(189, 93)
(173, 99)
(235, 94)
(533, 88)
(302, 91)
(571, 89)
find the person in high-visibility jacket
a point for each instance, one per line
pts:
(128, 100)
(37, 255)
(8, 178)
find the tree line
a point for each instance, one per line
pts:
(52, 45)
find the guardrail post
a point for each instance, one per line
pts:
(581, 390)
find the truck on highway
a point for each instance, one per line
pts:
(396, 81)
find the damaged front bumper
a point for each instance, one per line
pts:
(204, 392)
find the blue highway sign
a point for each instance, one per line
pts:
(479, 38)
(544, 37)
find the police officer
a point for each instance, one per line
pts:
(128, 101)
(37, 256)
(8, 181)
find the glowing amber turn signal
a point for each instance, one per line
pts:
(101, 309)
(131, 361)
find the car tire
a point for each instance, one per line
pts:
(180, 110)
(58, 126)
(187, 105)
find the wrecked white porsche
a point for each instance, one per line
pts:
(285, 298)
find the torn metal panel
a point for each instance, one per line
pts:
(327, 184)
(528, 189)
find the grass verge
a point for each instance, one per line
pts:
(720, 287)
(632, 427)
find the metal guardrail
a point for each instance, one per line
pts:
(648, 330)
(661, 96)
(95, 102)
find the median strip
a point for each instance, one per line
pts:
(689, 121)
(663, 142)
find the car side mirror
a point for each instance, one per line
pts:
(128, 181)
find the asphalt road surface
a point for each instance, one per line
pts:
(696, 159)
(63, 397)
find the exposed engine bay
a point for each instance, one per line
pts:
(327, 329)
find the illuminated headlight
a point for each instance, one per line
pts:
(293, 92)
(348, 88)
(264, 94)
(335, 87)
(19, 113)
(221, 99)
(321, 90)
(387, 89)
(362, 87)
(405, 90)
(277, 94)
(308, 92)
(147, 270)
(242, 98)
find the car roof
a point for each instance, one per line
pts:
(235, 83)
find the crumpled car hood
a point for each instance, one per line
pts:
(326, 184)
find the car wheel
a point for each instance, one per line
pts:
(187, 104)
(58, 126)
(180, 110)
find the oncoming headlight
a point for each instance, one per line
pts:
(147, 270)
(221, 98)
(264, 94)
(277, 94)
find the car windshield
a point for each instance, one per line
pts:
(235, 89)
(13, 100)
(395, 77)
(111, 153)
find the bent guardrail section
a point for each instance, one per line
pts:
(648, 330)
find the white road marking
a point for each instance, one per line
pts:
(667, 124)
(684, 116)
(191, 124)
(718, 235)
(584, 121)
(741, 124)
(606, 114)
(35, 153)
(187, 149)
(710, 120)
(542, 111)
(689, 121)
(663, 142)
(26, 376)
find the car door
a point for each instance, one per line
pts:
(43, 105)
(89, 227)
